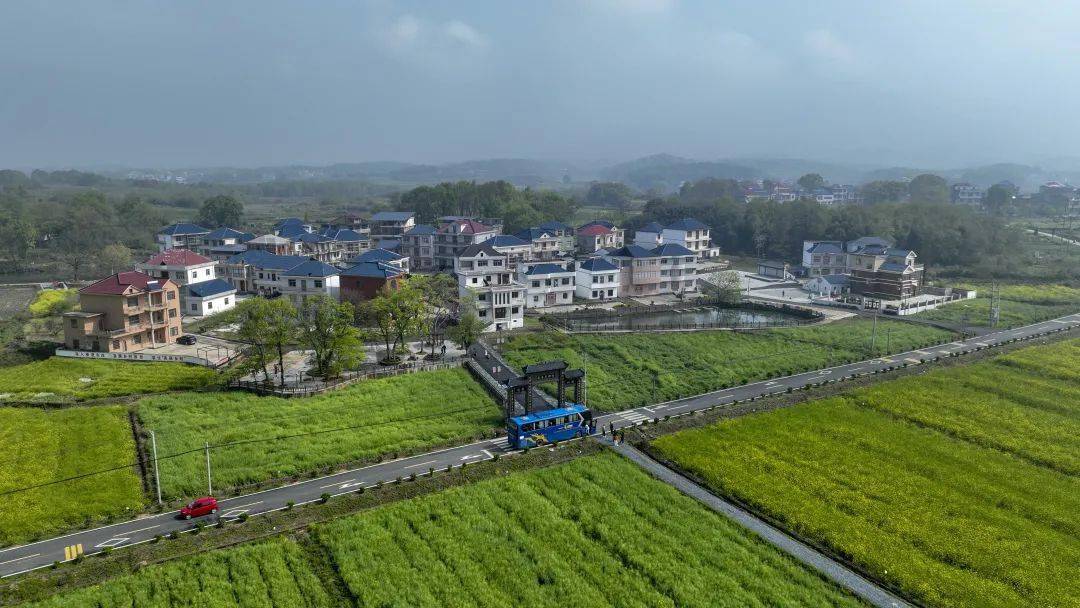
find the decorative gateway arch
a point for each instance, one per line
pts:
(539, 373)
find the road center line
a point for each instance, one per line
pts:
(420, 464)
(11, 561)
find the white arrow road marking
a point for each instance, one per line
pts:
(471, 456)
(234, 512)
(421, 464)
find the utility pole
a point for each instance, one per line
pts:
(157, 477)
(888, 340)
(995, 306)
(209, 483)
(873, 338)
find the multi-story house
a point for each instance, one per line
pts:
(292, 227)
(391, 226)
(418, 244)
(597, 235)
(182, 235)
(384, 256)
(566, 243)
(257, 271)
(223, 243)
(665, 269)
(274, 244)
(688, 232)
(964, 193)
(547, 284)
(181, 266)
(516, 250)
(320, 247)
(352, 221)
(311, 278)
(597, 279)
(893, 275)
(364, 280)
(209, 297)
(126, 312)
(545, 244)
(822, 258)
(485, 279)
(455, 236)
(349, 241)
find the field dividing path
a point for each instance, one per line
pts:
(40, 554)
(833, 570)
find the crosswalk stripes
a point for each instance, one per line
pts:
(634, 417)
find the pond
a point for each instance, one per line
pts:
(688, 317)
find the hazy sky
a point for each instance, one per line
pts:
(188, 83)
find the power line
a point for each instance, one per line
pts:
(142, 461)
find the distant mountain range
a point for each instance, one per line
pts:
(656, 173)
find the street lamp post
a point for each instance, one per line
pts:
(157, 477)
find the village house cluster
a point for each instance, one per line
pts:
(198, 271)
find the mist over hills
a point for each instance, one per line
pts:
(657, 173)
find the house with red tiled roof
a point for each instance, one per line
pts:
(456, 235)
(126, 312)
(181, 266)
(598, 234)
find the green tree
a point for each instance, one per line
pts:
(395, 313)
(282, 328)
(928, 188)
(17, 237)
(115, 258)
(883, 191)
(221, 210)
(468, 328)
(86, 226)
(724, 285)
(326, 327)
(253, 331)
(998, 199)
(609, 194)
(811, 181)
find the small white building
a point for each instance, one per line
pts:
(829, 285)
(209, 297)
(547, 284)
(182, 267)
(597, 279)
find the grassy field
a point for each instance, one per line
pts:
(959, 486)
(44, 445)
(60, 379)
(635, 369)
(595, 532)
(1020, 305)
(395, 414)
(270, 574)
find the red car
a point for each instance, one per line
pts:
(199, 507)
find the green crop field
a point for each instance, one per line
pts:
(395, 414)
(1020, 305)
(270, 574)
(959, 487)
(40, 446)
(634, 369)
(593, 532)
(61, 379)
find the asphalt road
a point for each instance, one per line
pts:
(19, 559)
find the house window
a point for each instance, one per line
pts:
(194, 274)
(116, 344)
(226, 301)
(73, 323)
(137, 339)
(594, 294)
(536, 299)
(514, 310)
(172, 313)
(170, 295)
(564, 295)
(194, 306)
(482, 314)
(133, 320)
(292, 282)
(133, 301)
(610, 292)
(209, 305)
(318, 284)
(173, 331)
(536, 283)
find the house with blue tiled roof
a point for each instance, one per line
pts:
(597, 279)
(821, 258)
(181, 235)
(687, 232)
(310, 278)
(223, 243)
(418, 244)
(547, 284)
(209, 297)
(670, 268)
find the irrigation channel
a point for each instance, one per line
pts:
(687, 316)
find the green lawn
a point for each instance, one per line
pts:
(634, 369)
(271, 574)
(395, 414)
(960, 486)
(46, 445)
(1020, 305)
(62, 379)
(593, 532)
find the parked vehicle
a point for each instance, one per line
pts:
(207, 505)
(186, 339)
(548, 426)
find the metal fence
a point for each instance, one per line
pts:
(622, 319)
(301, 386)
